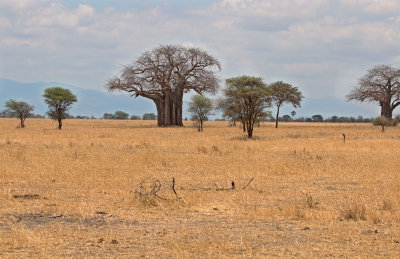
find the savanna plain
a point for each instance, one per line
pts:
(102, 188)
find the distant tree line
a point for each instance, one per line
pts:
(320, 118)
(120, 115)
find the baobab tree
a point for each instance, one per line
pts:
(381, 85)
(164, 75)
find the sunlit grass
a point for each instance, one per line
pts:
(86, 175)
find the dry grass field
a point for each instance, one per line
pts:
(103, 189)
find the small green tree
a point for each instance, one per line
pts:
(317, 118)
(59, 101)
(246, 98)
(149, 116)
(284, 93)
(200, 107)
(21, 109)
(120, 115)
(135, 117)
(382, 121)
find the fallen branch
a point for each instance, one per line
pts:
(248, 183)
(173, 187)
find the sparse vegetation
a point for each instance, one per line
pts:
(301, 185)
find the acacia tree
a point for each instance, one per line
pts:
(381, 85)
(284, 93)
(200, 107)
(246, 98)
(21, 109)
(164, 75)
(59, 101)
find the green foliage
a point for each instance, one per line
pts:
(200, 108)
(246, 99)
(284, 93)
(382, 121)
(286, 118)
(149, 116)
(22, 110)
(59, 101)
(317, 118)
(120, 115)
(396, 119)
(135, 117)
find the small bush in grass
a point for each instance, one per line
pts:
(354, 211)
(382, 121)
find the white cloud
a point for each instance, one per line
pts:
(308, 43)
(373, 7)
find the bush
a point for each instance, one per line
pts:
(383, 121)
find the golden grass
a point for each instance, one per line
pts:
(72, 192)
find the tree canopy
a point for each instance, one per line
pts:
(200, 108)
(246, 100)
(284, 93)
(164, 75)
(381, 84)
(21, 109)
(59, 101)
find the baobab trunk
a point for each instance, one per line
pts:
(386, 110)
(169, 110)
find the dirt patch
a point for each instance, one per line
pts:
(37, 220)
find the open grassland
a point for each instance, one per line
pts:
(76, 192)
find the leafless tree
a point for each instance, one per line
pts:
(164, 75)
(381, 84)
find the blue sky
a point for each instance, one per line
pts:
(321, 46)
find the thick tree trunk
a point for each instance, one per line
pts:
(386, 109)
(22, 123)
(59, 124)
(169, 109)
(160, 113)
(178, 109)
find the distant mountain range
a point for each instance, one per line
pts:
(96, 103)
(90, 102)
